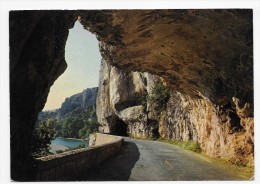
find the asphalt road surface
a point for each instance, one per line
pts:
(144, 160)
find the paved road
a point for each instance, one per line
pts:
(142, 160)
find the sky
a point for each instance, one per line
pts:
(83, 59)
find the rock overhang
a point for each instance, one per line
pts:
(200, 53)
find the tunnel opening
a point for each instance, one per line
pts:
(121, 128)
(154, 128)
(155, 133)
(48, 33)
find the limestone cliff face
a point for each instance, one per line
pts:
(206, 58)
(204, 55)
(73, 106)
(79, 102)
(119, 104)
(220, 130)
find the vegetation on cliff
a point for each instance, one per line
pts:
(159, 97)
(75, 125)
(75, 119)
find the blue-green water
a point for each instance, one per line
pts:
(70, 143)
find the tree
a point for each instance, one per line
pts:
(41, 140)
(66, 127)
(91, 125)
(58, 129)
(159, 97)
(75, 125)
(82, 132)
(51, 124)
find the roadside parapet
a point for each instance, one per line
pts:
(61, 166)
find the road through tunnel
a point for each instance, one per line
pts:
(121, 128)
(37, 58)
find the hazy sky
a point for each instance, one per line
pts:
(83, 59)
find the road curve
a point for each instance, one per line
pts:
(144, 160)
(163, 161)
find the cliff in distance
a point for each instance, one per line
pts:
(203, 57)
(73, 106)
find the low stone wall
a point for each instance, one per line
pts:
(100, 139)
(62, 166)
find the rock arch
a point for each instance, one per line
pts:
(197, 52)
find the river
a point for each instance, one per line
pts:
(65, 143)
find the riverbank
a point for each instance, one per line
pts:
(72, 138)
(63, 144)
(56, 147)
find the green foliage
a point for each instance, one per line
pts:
(58, 129)
(50, 124)
(91, 126)
(188, 145)
(159, 97)
(44, 116)
(82, 132)
(41, 140)
(193, 146)
(91, 113)
(75, 126)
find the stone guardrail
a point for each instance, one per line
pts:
(63, 165)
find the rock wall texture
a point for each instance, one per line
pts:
(119, 107)
(78, 103)
(205, 57)
(221, 131)
(99, 139)
(206, 51)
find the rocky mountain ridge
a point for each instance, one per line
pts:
(72, 106)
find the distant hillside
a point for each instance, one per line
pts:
(72, 106)
(76, 117)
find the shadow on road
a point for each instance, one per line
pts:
(116, 168)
